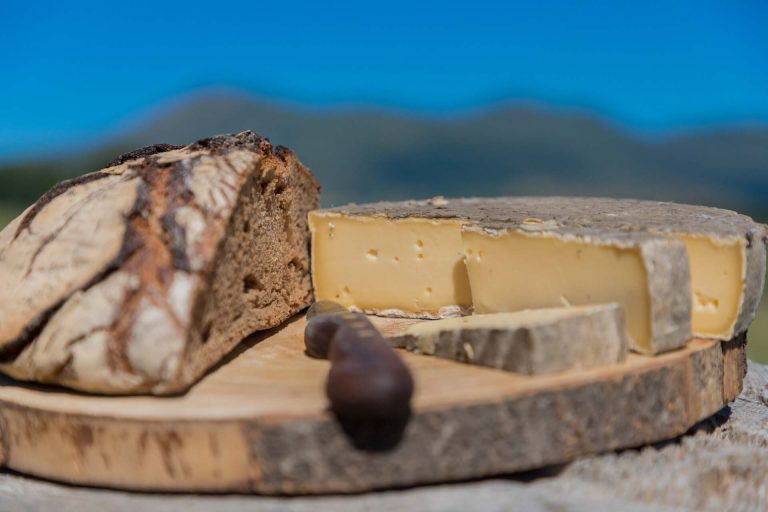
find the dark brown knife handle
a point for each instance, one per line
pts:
(367, 380)
(323, 319)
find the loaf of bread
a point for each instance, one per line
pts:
(140, 277)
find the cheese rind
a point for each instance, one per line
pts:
(709, 233)
(533, 342)
(754, 280)
(512, 270)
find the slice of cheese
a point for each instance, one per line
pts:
(726, 254)
(531, 342)
(402, 267)
(718, 276)
(511, 270)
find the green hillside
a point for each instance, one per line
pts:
(7, 213)
(512, 149)
(757, 349)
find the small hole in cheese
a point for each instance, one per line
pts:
(420, 256)
(397, 259)
(428, 291)
(346, 289)
(372, 254)
(704, 302)
(419, 245)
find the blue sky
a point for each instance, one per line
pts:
(73, 71)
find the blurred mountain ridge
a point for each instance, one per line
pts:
(514, 149)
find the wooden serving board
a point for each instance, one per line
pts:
(258, 422)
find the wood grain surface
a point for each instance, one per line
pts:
(258, 422)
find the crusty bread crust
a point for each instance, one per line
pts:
(126, 280)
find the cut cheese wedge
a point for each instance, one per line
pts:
(369, 257)
(511, 270)
(531, 342)
(721, 302)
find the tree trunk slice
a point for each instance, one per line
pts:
(258, 422)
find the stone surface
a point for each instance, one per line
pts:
(720, 465)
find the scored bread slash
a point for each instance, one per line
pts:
(533, 342)
(676, 269)
(139, 277)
